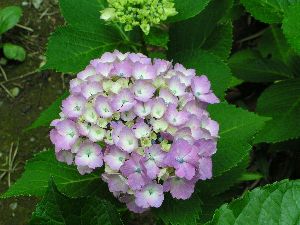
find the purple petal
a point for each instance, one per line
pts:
(116, 182)
(209, 98)
(150, 196)
(102, 107)
(205, 168)
(123, 101)
(89, 89)
(89, 155)
(103, 69)
(167, 96)
(141, 130)
(174, 117)
(87, 72)
(84, 170)
(73, 106)
(143, 90)
(162, 65)
(142, 109)
(123, 69)
(179, 188)
(75, 86)
(144, 71)
(206, 148)
(158, 108)
(177, 88)
(127, 140)
(114, 157)
(65, 156)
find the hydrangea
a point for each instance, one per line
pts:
(151, 120)
(142, 13)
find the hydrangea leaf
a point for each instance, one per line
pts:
(49, 114)
(221, 183)
(44, 165)
(273, 44)
(251, 66)
(201, 30)
(207, 63)
(188, 8)
(276, 204)
(157, 37)
(236, 135)
(180, 212)
(281, 101)
(82, 13)
(56, 208)
(9, 17)
(220, 41)
(70, 49)
(291, 26)
(268, 11)
(14, 52)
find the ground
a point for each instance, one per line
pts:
(36, 92)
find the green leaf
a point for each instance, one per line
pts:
(180, 212)
(82, 13)
(50, 114)
(268, 11)
(273, 45)
(56, 208)
(195, 32)
(237, 129)
(291, 26)
(188, 8)
(281, 101)
(9, 17)
(70, 49)
(276, 204)
(97, 211)
(221, 183)
(14, 52)
(251, 66)
(157, 37)
(206, 63)
(34, 180)
(220, 41)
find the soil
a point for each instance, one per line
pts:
(36, 92)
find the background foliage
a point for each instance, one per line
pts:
(203, 36)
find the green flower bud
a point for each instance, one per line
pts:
(108, 14)
(142, 13)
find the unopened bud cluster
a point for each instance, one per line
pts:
(142, 13)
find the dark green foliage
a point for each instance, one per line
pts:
(178, 212)
(56, 208)
(42, 167)
(49, 114)
(276, 204)
(281, 102)
(200, 36)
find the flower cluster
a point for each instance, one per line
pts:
(142, 13)
(150, 119)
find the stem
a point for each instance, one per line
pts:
(125, 37)
(24, 27)
(20, 77)
(253, 36)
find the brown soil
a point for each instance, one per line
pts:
(37, 91)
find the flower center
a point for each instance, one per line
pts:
(180, 159)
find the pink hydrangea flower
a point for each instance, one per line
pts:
(151, 118)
